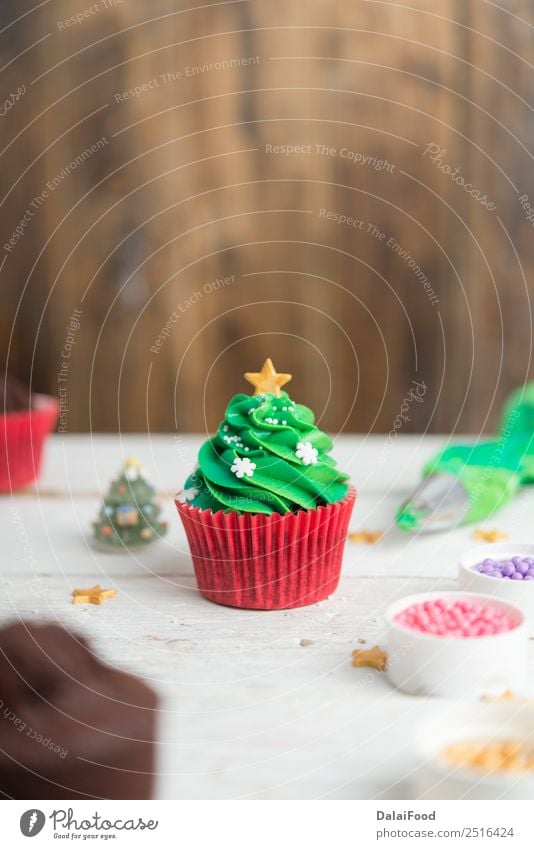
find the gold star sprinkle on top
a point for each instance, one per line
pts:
(93, 595)
(268, 379)
(489, 536)
(376, 657)
(365, 537)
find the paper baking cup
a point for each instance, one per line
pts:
(22, 436)
(519, 593)
(268, 562)
(456, 667)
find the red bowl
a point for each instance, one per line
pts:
(22, 437)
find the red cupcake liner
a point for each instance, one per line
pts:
(268, 562)
(22, 436)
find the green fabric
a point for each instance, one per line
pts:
(288, 466)
(408, 519)
(491, 472)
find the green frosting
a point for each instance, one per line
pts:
(266, 457)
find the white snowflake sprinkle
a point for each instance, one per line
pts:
(307, 453)
(225, 427)
(187, 495)
(243, 466)
(284, 421)
(231, 440)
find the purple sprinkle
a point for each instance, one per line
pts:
(515, 569)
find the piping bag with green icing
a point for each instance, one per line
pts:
(468, 483)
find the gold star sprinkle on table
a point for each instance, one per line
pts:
(376, 658)
(489, 536)
(93, 595)
(268, 379)
(508, 696)
(365, 537)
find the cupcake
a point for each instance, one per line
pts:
(25, 422)
(71, 727)
(266, 512)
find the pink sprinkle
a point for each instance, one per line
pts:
(458, 618)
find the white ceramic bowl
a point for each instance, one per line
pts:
(424, 664)
(518, 593)
(435, 779)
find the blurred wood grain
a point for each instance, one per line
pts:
(189, 218)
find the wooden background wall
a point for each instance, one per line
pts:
(183, 191)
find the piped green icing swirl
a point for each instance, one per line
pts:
(266, 457)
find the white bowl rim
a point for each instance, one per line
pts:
(406, 601)
(481, 576)
(467, 559)
(500, 711)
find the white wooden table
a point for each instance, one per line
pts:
(247, 710)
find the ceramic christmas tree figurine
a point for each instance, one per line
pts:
(129, 515)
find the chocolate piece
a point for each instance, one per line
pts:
(70, 726)
(14, 395)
